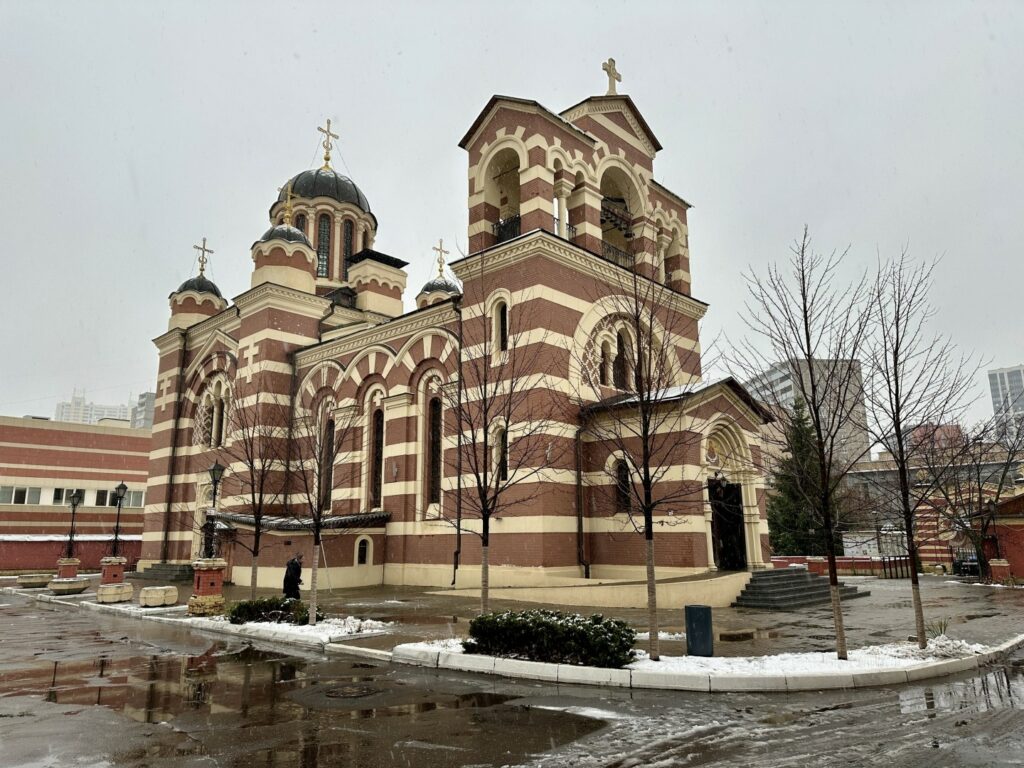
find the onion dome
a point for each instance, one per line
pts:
(287, 233)
(441, 283)
(199, 284)
(326, 182)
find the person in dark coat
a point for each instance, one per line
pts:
(293, 576)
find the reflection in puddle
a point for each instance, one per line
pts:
(999, 688)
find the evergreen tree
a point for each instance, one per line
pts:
(793, 528)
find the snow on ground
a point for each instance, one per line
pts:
(662, 635)
(891, 656)
(982, 584)
(324, 631)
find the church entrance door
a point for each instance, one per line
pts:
(727, 526)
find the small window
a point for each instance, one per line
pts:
(605, 364)
(327, 466)
(502, 318)
(323, 244)
(346, 247)
(300, 222)
(58, 495)
(377, 468)
(619, 369)
(363, 552)
(623, 487)
(434, 448)
(501, 454)
(101, 498)
(6, 494)
(134, 498)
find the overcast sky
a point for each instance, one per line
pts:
(131, 130)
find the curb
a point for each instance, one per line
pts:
(570, 674)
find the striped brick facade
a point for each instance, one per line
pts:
(44, 462)
(541, 246)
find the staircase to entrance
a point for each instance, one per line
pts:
(786, 588)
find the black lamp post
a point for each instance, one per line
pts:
(119, 491)
(992, 507)
(76, 499)
(216, 473)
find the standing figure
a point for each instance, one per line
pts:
(293, 576)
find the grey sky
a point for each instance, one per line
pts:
(131, 130)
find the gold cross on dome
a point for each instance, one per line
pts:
(327, 142)
(287, 202)
(203, 250)
(441, 253)
(613, 76)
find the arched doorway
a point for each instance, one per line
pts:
(727, 523)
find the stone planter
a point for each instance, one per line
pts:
(34, 580)
(70, 586)
(207, 587)
(114, 593)
(67, 567)
(150, 597)
(1000, 570)
(112, 570)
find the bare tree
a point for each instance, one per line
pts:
(319, 444)
(504, 416)
(807, 320)
(256, 455)
(918, 383)
(651, 363)
(971, 472)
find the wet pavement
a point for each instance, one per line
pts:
(85, 689)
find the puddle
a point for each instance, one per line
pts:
(738, 635)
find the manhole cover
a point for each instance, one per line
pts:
(351, 691)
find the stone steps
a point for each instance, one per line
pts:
(785, 589)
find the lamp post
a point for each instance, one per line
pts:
(216, 473)
(992, 507)
(119, 491)
(76, 499)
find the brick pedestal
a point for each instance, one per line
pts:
(207, 587)
(67, 567)
(818, 565)
(1000, 570)
(112, 570)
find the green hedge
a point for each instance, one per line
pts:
(280, 609)
(552, 636)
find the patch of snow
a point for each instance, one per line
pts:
(891, 656)
(662, 635)
(447, 645)
(591, 712)
(982, 584)
(324, 630)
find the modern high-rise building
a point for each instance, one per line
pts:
(780, 385)
(79, 411)
(1007, 388)
(142, 411)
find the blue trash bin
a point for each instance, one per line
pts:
(700, 641)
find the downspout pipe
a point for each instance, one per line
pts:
(581, 555)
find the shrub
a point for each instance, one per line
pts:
(552, 636)
(280, 609)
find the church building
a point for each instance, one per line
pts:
(509, 393)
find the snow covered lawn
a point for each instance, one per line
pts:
(325, 631)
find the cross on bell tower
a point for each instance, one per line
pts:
(441, 253)
(613, 76)
(327, 145)
(203, 250)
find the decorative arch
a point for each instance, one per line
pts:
(326, 377)
(362, 551)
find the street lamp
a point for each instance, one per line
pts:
(992, 507)
(76, 499)
(216, 473)
(119, 491)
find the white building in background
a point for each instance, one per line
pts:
(1007, 388)
(80, 411)
(780, 385)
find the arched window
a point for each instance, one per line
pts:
(346, 248)
(300, 222)
(323, 244)
(501, 453)
(377, 459)
(434, 452)
(501, 327)
(327, 465)
(363, 552)
(620, 371)
(605, 364)
(623, 494)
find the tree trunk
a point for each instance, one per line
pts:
(485, 598)
(652, 604)
(253, 573)
(915, 590)
(837, 620)
(312, 585)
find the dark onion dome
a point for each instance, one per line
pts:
(326, 182)
(443, 284)
(199, 284)
(287, 233)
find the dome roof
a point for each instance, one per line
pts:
(442, 284)
(285, 232)
(199, 284)
(326, 182)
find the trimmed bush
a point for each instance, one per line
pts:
(283, 610)
(552, 636)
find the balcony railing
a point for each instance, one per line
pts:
(570, 230)
(617, 255)
(507, 228)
